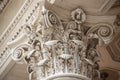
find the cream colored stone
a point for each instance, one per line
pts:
(95, 15)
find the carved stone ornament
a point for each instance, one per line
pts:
(19, 52)
(56, 51)
(102, 30)
(78, 15)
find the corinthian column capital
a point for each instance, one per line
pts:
(57, 50)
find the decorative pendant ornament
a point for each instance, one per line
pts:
(78, 15)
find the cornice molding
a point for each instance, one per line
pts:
(5, 52)
(3, 4)
(31, 17)
(15, 20)
(4, 56)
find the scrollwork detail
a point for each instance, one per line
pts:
(106, 33)
(18, 53)
(62, 48)
(103, 31)
(53, 19)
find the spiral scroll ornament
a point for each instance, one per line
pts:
(105, 32)
(18, 53)
(72, 25)
(52, 19)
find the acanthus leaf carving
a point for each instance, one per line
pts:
(62, 49)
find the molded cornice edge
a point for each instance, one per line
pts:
(3, 4)
(15, 20)
(11, 33)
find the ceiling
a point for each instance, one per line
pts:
(63, 8)
(114, 48)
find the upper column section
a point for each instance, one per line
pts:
(63, 28)
(56, 49)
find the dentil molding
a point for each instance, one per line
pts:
(3, 4)
(5, 53)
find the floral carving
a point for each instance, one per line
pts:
(62, 48)
(78, 15)
(72, 32)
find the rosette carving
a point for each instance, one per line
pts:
(78, 15)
